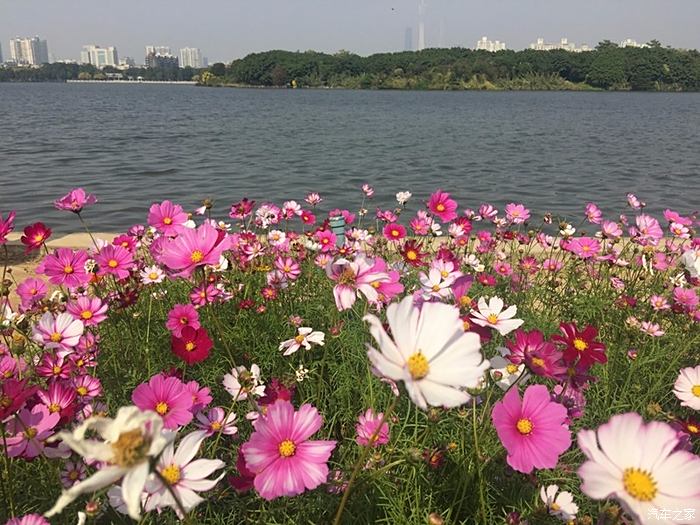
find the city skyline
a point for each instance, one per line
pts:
(226, 30)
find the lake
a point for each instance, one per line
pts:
(135, 144)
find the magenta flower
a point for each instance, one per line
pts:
(353, 277)
(75, 201)
(65, 267)
(326, 238)
(54, 366)
(114, 260)
(367, 425)
(443, 206)
(58, 398)
(87, 387)
(13, 395)
(167, 218)
(242, 209)
(181, 316)
(289, 267)
(685, 298)
(6, 226)
(90, 310)
(35, 236)
(31, 291)
(394, 232)
(648, 230)
(584, 247)
(516, 213)
(593, 213)
(193, 248)
(29, 519)
(167, 396)
(284, 461)
(533, 430)
(29, 431)
(61, 332)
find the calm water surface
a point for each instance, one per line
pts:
(135, 144)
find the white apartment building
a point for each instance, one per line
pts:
(158, 50)
(489, 45)
(99, 56)
(191, 57)
(628, 42)
(541, 45)
(29, 51)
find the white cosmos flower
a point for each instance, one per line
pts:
(560, 504)
(241, 382)
(430, 352)
(305, 338)
(493, 315)
(691, 261)
(127, 444)
(504, 373)
(639, 465)
(184, 477)
(434, 285)
(403, 196)
(687, 387)
(473, 261)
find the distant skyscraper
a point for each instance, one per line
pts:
(421, 25)
(191, 57)
(489, 45)
(158, 50)
(1, 60)
(628, 42)
(541, 45)
(99, 56)
(408, 39)
(29, 51)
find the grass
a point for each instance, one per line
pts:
(445, 463)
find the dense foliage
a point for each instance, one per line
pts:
(654, 68)
(59, 72)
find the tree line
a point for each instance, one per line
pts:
(608, 67)
(60, 72)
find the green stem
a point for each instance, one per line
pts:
(94, 242)
(7, 462)
(482, 496)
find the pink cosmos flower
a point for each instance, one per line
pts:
(90, 310)
(652, 329)
(35, 236)
(326, 238)
(29, 519)
(517, 213)
(65, 267)
(421, 223)
(685, 298)
(114, 260)
(289, 267)
(61, 332)
(73, 472)
(313, 199)
(394, 232)
(584, 247)
(367, 425)
(29, 430)
(193, 248)
(167, 218)
(75, 201)
(443, 206)
(59, 398)
(168, 397)
(181, 316)
(347, 215)
(307, 217)
(552, 265)
(659, 303)
(31, 291)
(242, 209)
(279, 453)
(634, 202)
(54, 366)
(354, 277)
(593, 213)
(611, 230)
(367, 190)
(87, 387)
(648, 230)
(201, 396)
(533, 430)
(540, 356)
(216, 420)
(673, 216)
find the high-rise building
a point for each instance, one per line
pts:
(29, 51)
(156, 60)
(421, 25)
(191, 57)
(408, 39)
(490, 45)
(628, 42)
(1, 60)
(158, 50)
(541, 45)
(99, 56)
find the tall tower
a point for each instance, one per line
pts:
(408, 39)
(421, 25)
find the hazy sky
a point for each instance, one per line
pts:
(228, 29)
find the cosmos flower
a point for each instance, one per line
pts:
(559, 504)
(65, 267)
(216, 420)
(75, 201)
(306, 337)
(493, 315)
(580, 346)
(517, 213)
(91, 311)
(29, 430)
(533, 430)
(366, 427)
(281, 456)
(114, 260)
(127, 444)
(402, 197)
(193, 248)
(167, 218)
(152, 275)
(192, 346)
(651, 475)
(167, 397)
(35, 236)
(355, 277)
(182, 316)
(61, 332)
(443, 206)
(394, 232)
(687, 387)
(241, 382)
(430, 353)
(31, 291)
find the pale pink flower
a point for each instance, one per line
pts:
(517, 213)
(652, 329)
(368, 425)
(61, 332)
(493, 316)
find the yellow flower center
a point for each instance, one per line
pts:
(418, 366)
(171, 474)
(73, 475)
(167, 221)
(696, 390)
(693, 429)
(56, 337)
(196, 256)
(639, 484)
(5, 401)
(68, 269)
(537, 361)
(56, 370)
(87, 314)
(81, 390)
(112, 263)
(299, 339)
(375, 284)
(153, 276)
(465, 300)
(444, 274)
(287, 448)
(30, 433)
(54, 407)
(215, 426)
(466, 325)
(347, 276)
(580, 344)
(33, 291)
(524, 426)
(287, 268)
(131, 448)
(162, 408)
(440, 207)
(511, 368)
(411, 255)
(492, 318)
(394, 233)
(554, 507)
(436, 288)
(189, 346)
(38, 238)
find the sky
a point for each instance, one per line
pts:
(229, 29)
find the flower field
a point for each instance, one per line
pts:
(288, 363)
